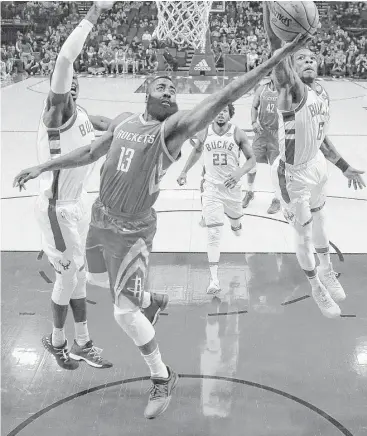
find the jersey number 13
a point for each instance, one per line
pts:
(126, 157)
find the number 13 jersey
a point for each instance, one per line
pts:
(302, 130)
(135, 164)
(221, 154)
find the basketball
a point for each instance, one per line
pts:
(288, 19)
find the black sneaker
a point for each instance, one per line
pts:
(158, 304)
(61, 353)
(248, 197)
(160, 394)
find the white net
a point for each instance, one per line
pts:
(183, 22)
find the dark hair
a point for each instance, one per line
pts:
(231, 110)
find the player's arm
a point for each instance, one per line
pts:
(80, 157)
(332, 155)
(284, 76)
(185, 124)
(59, 98)
(196, 152)
(255, 110)
(244, 145)
(99, 122)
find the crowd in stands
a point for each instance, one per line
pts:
(123, 41)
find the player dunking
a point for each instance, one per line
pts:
(221, 142)
(300, 172)
(64, 126)
(139, 150)
(264, 117)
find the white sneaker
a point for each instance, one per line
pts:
(326, 304)
(237, 230)
(213, 287)
(328, 278)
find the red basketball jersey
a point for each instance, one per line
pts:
(268, 115)
(134, 166)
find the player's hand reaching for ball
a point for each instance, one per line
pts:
(22, 178)
(182, 179)
(233, 179)
(354, 176)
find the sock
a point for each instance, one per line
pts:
(156, 366)
(58, 337)
(312, 278)
(146, 300)
(81, 333)
(214, 271)
(250, 187)
(324, 257)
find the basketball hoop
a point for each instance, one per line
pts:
(183, 21)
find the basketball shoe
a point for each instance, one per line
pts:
(61, 353)
(213, 287)
(248, 197)
(160, 394)
(158, 304)
(274, 207)
(90, 354)
(328, 278)
(326, 304)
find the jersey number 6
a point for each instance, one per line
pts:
(125, 159)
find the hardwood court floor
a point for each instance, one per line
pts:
(262, 361)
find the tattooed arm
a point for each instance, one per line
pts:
(331, 153)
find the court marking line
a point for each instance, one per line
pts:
(284, 394)
(295, 300)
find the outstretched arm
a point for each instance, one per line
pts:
(183, 125)
(80, 157)
(332, 155)
(284, 76)
(99, 122)
(245, 147)
(255, 110)
(60, 103)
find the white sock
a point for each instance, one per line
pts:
(250, 187)
(214, 271)
(156, 366)
(313, 278)
(81, 333)
(324, 257)
(146, 300)
(58, 337)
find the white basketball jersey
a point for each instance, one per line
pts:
(302, 130)
(221, 155)
(77, 132)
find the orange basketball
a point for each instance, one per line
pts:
(288, 19)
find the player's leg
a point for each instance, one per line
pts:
(56, 230)
(233, 209)
(272, 154)
(259, 149)
(213, 211)
(320, 238)
(202, 220)
(127, 272)
(295, 193)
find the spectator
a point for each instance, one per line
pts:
(147, 37)
(120, 60)
(217, 52)
(252, 58)
(46, 65)
(108, 61)
(339, 68)
(32, 67)
(329, 61)
(170, 59)
(151, 58)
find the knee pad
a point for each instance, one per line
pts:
(98, 279)
(64, 286)
(133, 322)
(80, 290)
(214, 235)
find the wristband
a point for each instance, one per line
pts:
(342, 165)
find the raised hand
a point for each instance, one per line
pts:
(182, 179)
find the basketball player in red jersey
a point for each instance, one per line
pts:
(139, 150)
(300, 172)
(264, 117)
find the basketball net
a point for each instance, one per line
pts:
(183, 22)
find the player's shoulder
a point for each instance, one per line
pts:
(321, 91)
(120, 119)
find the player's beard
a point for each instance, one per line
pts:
(158, 111)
